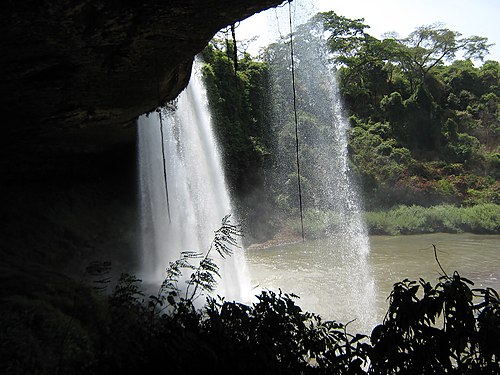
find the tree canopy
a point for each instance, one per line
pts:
(424, 114)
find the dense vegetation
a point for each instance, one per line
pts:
(481, 218)
(240, 106)
(425, 126)
(423, 132)
(61, 328)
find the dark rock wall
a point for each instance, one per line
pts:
(75, 75)
(104, 61)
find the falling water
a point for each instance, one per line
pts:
(328, 187)
(197, 193)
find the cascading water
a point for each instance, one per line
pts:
(198, 197)
(329, 190)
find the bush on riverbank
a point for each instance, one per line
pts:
(482, 218)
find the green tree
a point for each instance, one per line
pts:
(432, 45)
(438, 111)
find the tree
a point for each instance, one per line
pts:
(438, 112)
(346, 37)
(417, 54)
(429, 46)
(350, 45)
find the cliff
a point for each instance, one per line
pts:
(75, 76)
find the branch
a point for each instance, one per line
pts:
(439, 264)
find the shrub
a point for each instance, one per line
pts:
(414, 340)
(482, 218)
(446, 328)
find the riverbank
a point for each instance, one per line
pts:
(479, 219)
(400, 220)
(286, 236)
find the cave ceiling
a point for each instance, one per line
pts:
(76, 74)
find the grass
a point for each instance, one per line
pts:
(482, 218)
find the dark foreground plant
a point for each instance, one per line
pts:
(272, 336)
(451, 328)
(444, 331)
(448, 328)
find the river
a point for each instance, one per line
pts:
(337, 288)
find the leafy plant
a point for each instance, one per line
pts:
(441, 331)
(446, 328)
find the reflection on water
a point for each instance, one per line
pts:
(325, 280)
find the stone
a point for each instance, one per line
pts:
(77, 74)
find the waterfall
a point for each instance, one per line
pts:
(198, 196)
(329, 191)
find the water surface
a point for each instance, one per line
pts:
(325, 280)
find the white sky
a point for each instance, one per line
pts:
(469, 17)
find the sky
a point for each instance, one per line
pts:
(469, 17)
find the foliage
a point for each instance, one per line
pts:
(446, 328)
(447, 113)
(376, 155)
(240, 107)
(425, 127)
(481, 218)
(451, 328)
(47, 323)
(275, 336)
(431, 45)
(443, 331)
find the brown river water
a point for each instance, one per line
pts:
(338, 287)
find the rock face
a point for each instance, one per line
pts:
(76, 74)
(74, 77)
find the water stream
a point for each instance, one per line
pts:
(329, 192)
(198, 197)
